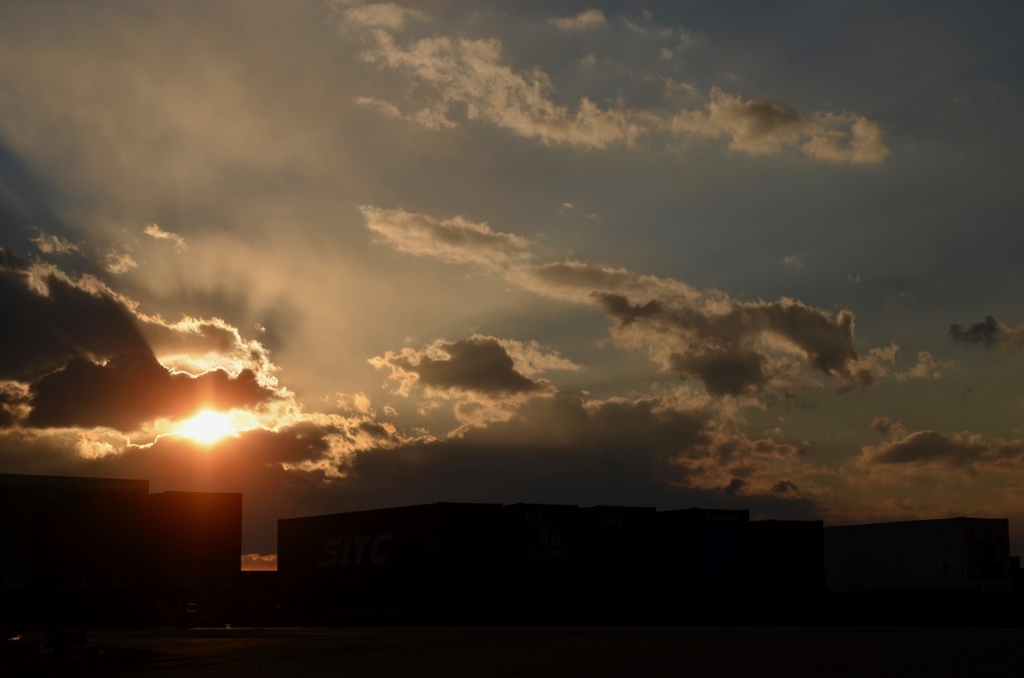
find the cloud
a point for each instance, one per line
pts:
(54, 244)
(455, 240)
(386, 15)
(739, 348)
(155, 231)
(794, 262)
(735, 348)
(258, 562)
(531, 358)
(766, 126)
(889, 428)
(990, 333)
(681, 439)
(927, 367)
(862, 143)
(784, 487)
(587, 19)
(577, 281)
(472, 76)
(487, 378)
(480, 364)
(119, 262)
(965, 451)
(132, 389)
(49, 319)
(79, 355)
(14, 399)
(470, 73)
(381, 106)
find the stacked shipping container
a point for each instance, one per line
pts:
(337, 566)
(787, 556)
(98, 551)
(704, 549)
(953, 554)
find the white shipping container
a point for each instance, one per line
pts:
(921, 555)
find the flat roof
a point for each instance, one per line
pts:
(74, 482)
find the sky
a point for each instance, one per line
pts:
(348, 254)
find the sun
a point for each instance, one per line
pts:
(207, 427)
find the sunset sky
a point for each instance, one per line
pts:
(344, 255)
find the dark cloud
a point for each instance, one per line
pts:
(132, 389)
(620, 308)
(964, 451)
(12, 398)
(766, 117)
(720, 348)
(45, 320)
(49, 318)
(733, 372)
(87, 356)
(735, 486)
(986, 332)
(480, 364)
(766, 126)
(990, 333)
(784, 487)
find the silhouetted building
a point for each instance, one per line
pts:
(65, 532)
(542, 547)
(920, 555)
(787, 556)
(194, 539)
(703, 549)
(104, 552)
(618, 548)
(360, 565)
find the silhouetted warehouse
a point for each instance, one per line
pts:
(787, 556)
(70, 532)
(349, 565)
(542, 547)
(703, 549)
(618, 547)
(70, 550)
(100, 551)
(920, 555)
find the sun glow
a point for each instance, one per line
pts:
(207, 427)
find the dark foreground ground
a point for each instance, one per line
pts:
(561, 652)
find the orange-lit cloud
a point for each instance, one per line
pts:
(474, 74)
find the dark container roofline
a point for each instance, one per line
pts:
(74, 482)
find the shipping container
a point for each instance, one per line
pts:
(15, 535)
(382, 559)
(542, 547)
(618, 547)
(194, 539)
(703, 549)
(1016, 575)
(70, 550)
(787, 556)
(60, 531)
(953, 554)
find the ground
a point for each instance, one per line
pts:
(566, 652)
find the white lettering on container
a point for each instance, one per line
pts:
(331, 548)
(340, 559)
(375, 557)
(361, 542)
